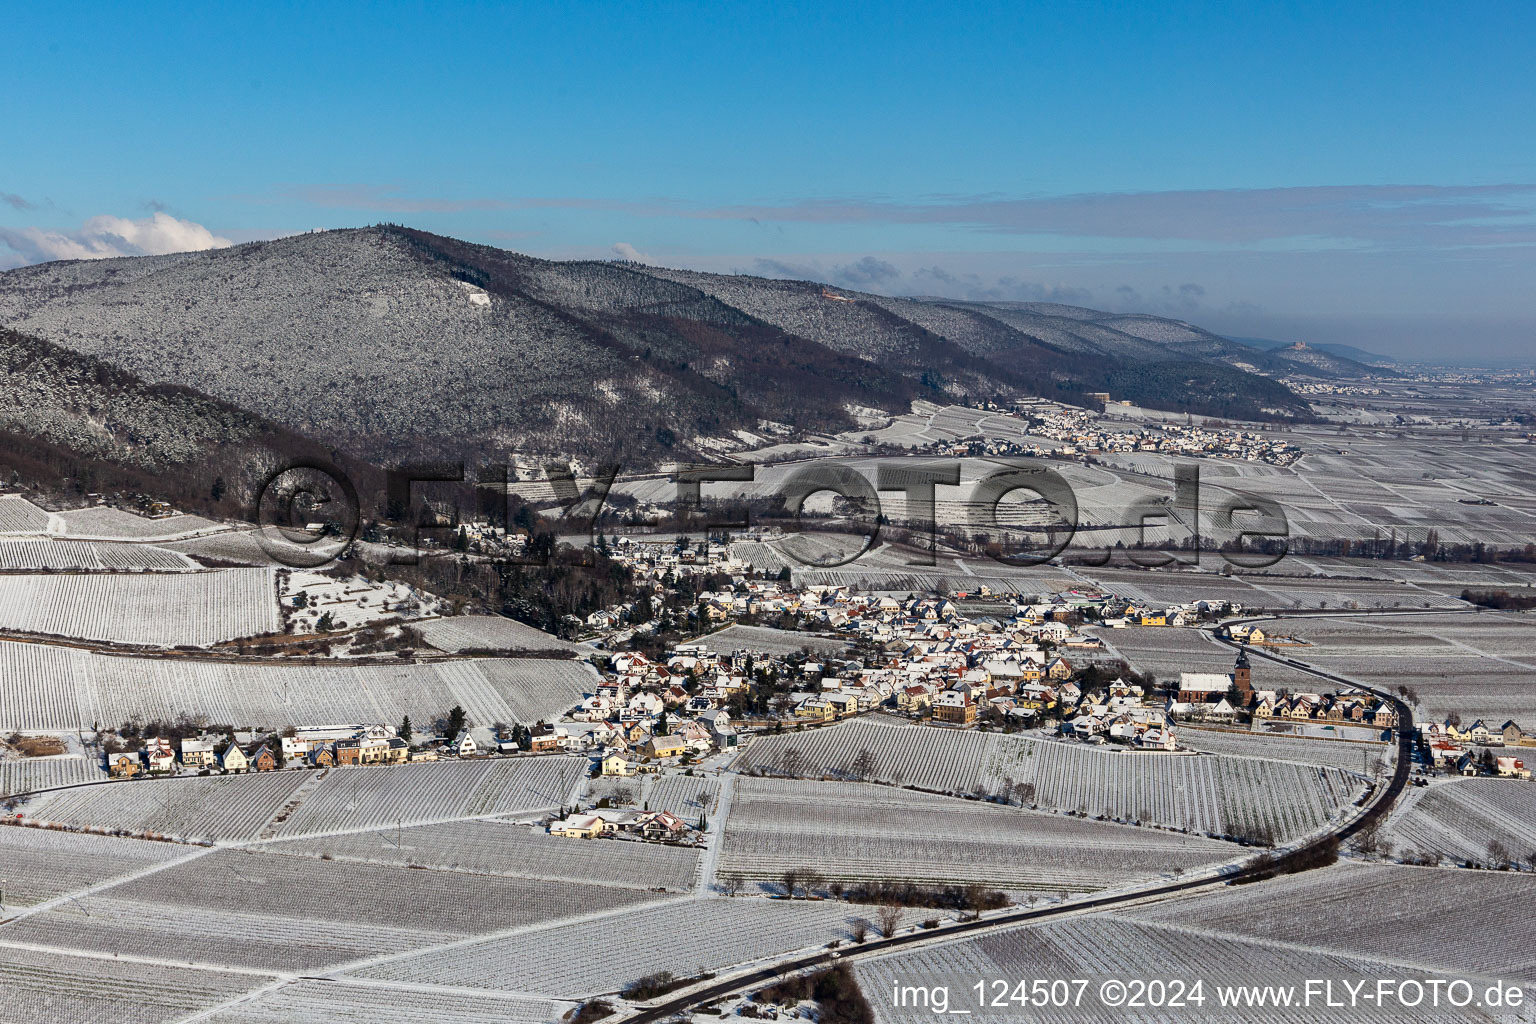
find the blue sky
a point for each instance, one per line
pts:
(1359, 173)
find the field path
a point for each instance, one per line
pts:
(710, 862)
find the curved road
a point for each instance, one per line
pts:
(1298, 859)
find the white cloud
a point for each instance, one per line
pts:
(106, 236)
(625, 251)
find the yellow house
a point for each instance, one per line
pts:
(581, 826)
(815, 710)
(125, 765)
(616, 764)
(665, 746)
(1152, 619)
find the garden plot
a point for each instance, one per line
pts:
(26, 775)
(1394, 913)
(487, 633)
(215, 807)
(50, 987)
(304, 1002)
(380, 796)
(1350, 756)
(769, 641)
(1457, 820)
(502, 848)
(103, 523)
(1476, 665)
(88, 556)
(603, 954)
(350, 601)
(20, 516)
(1209, 795)
(861, 832)
(40, 864)
(157, 609)
(1100, 947)
(266, 912)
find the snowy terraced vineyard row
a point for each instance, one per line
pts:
(604, 954)
(1344, 754)
(861, 831)
(502, 848)
(227, 937)
(1436, 917)
(486, 632)
(104, 523)
(1457, 820)
(304, 1002)
(155, 609)
(48, 987)
(256, 882)
(88, 556)
(34, 773)
(1098, 948)
(20, 516)
(1213, 795)
(40, 864)
(682, 795)
(231, 807)
(380, 796)
(60, 688)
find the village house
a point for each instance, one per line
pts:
(198, 754)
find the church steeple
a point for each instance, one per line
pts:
(1242, 674)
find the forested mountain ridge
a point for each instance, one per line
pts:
(389, 342)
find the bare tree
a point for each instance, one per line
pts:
(862, 766)
(888, 917)
(811, 880)
(1498, 854)
(972, 898)
(623, 794)
(859, 930)
(732, 882)
(791, 880)
(705, 802)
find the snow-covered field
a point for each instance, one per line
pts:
(503, 848)
(88, 556)
(41, 864)
(1101, 947)
(225, 807)
(157, 609)
(103, 523)
(486, 633)
(380, 796)
(53, 987)
(769, 641)
(305, 1002)
(1344, 754)
(1213, 795)
(860, 831)
(1458, 819)
(256, 910)
(603, 954)
(52, 688)
(23, 775)
(1473, 921)
(349, 601)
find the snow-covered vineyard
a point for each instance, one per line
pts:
(261, 911)
(486, 632)
(41, 864)
(59, 688)
(34, 773)
(859, 832)
(154, 609)
(1412, 912)
(1102, 946)
(89, 556)
(1457, 821)
(562, 960)
(305, 1002)
(245, 807)
(503, 848)
(54, 987)
(1207, 794)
